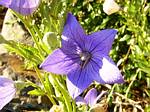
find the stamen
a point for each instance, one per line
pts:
(85, 58)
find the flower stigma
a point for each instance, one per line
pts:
(85, 58)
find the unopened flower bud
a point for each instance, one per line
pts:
(110, 7)
(50, 39)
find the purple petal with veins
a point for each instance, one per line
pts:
(90, 98)
(7, 91)
(23, 7)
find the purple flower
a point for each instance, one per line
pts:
(24, 7)
(84, 58)
(7, 91)
(90, 98)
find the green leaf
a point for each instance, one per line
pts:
(28, 52)
(36, 92)
(146, 70)
(125, 38)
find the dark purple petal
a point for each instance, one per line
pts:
(7, 91)
(109, 73)
(95, 65)
(60, 63)
(81, 78)
(91, 97)
(73, 32)
(100, 42)
(24, 7)
(71, 48)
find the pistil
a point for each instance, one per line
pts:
(85, 58)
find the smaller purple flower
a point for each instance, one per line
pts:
(7, 91)
(24, 7)
(83, 58)
(90, 98)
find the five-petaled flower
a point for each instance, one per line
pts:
(7, 91)
(24, 7)
(83, 58)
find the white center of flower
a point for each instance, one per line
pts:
(85, 57)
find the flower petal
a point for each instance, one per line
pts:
(6, 95)
(7, 91)
(73, 32)
(91, 97)
(24, 7)
(60, 63)
(110, 7)
(81, 78)
(100, 95)
(80, 100)
(4, 81)
(101, 42)
(74, 91)
(109, 73)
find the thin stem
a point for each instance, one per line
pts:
(42, 81)
(31, 31)
(65, 94)
(111, 92)
(129, 87)
(129, 101)
(74, 106)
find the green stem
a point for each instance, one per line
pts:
(58, 92)
(111, 92)
(32, 32)
(42, 81)
(74, 106)
(49, 88)
(129, 87)
(64, 92)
